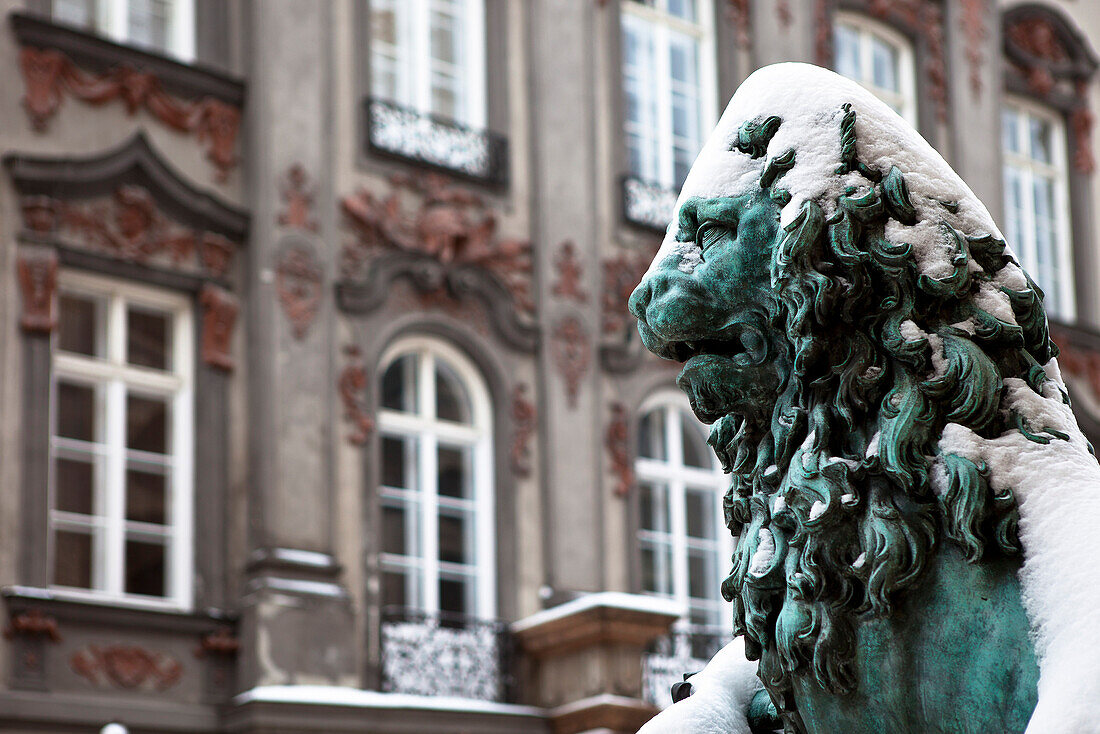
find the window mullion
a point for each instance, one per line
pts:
(661, 49)
(677, 506)
(111, 557)
(429, 484)
(420, 36)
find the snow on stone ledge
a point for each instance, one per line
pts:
(607, 599)
(346, 696)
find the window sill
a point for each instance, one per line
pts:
(111, 611)
(89, 50)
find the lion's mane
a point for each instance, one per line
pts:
(840, 503)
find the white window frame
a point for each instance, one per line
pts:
(1027, 167)
(111, 18)
(117, 376)
(868, 29)
(426, 431)
(677, 477)
(662, 24)
(413, 51)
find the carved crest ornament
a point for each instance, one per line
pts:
(352, 387)
(126, 666)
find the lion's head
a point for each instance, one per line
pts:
(839, 296)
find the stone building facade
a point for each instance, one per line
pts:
(322, 410)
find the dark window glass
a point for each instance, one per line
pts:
(145, 569)
(396, 521)
(76, 411)
(454, 472)
(399, 462)
(147, 338)
(451, 403)
(145, 495)
(651, 436)
(454, 596)
(79, 329)
(453, 537)
(73, 485)
(72, 559)
(147, 423)
(399, 385)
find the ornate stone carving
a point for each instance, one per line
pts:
(48, 74)
(620, 274)
(298, 193)
(129, 226)
(126, 666)
(1080, 122)
(738, 13)
(33, 623)
(617, 441)
(352, 386)
(572, 354)
(219, 315)
(450, 225)
(298, 284)
(524, 417)
(219, 643)
(783, 13)
(570, 271)
(38, 284)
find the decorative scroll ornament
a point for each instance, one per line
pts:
(298, 284)
(48, 74)
(38, 284)
(450, 225)
(617, 442)
(570, 271)
(524, 417)
(572, 354)
(219, 315)
(126, 666)
(33, 623)
(298, 193)
(352, 386)
(129, 226)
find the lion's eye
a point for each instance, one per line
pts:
(709, 234)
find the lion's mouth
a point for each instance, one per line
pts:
(711, 384)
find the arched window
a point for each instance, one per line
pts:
(435, 424)
(429, 56)
(683, 544)
(1037, 200)
(879, 58)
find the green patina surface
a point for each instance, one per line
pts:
(873, 603)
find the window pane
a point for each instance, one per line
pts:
(1039, 136)
(401, 528)
(76, 12)
(146, 423)
(696, 450)
(456, 596)
(145, 567)
(148, 22)
(146, 490)
(80, 328)
(884, 65)
(456, 537)
(401, 588)
(700, 513)
(653, 505)
(399, 462)
(76, 411)
(656, 564)
(846, 51)
(445, 97)
(651, 436)
(445, 38)
(399, 385)
(72, 559)
(704, 615)
(147, 338)
(1010, 131)
(682, 9)
(383, 22)
(702, 576)
(74, 482)
(455, 472)
(451, 402)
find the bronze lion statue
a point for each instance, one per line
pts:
(912, 499)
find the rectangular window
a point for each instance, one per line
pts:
(429, 56)
(879, 58)
(162, 25)
(668, 86)
(1036, 220)
(121, 444)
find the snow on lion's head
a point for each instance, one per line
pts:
(843, 302)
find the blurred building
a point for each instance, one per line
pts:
(322, 410)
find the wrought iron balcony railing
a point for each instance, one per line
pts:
(435, 141)
(648, 204)
(681, 651)
(446, 655)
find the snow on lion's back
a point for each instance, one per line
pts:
(1057, 485)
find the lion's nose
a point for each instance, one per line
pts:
(640, 298)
